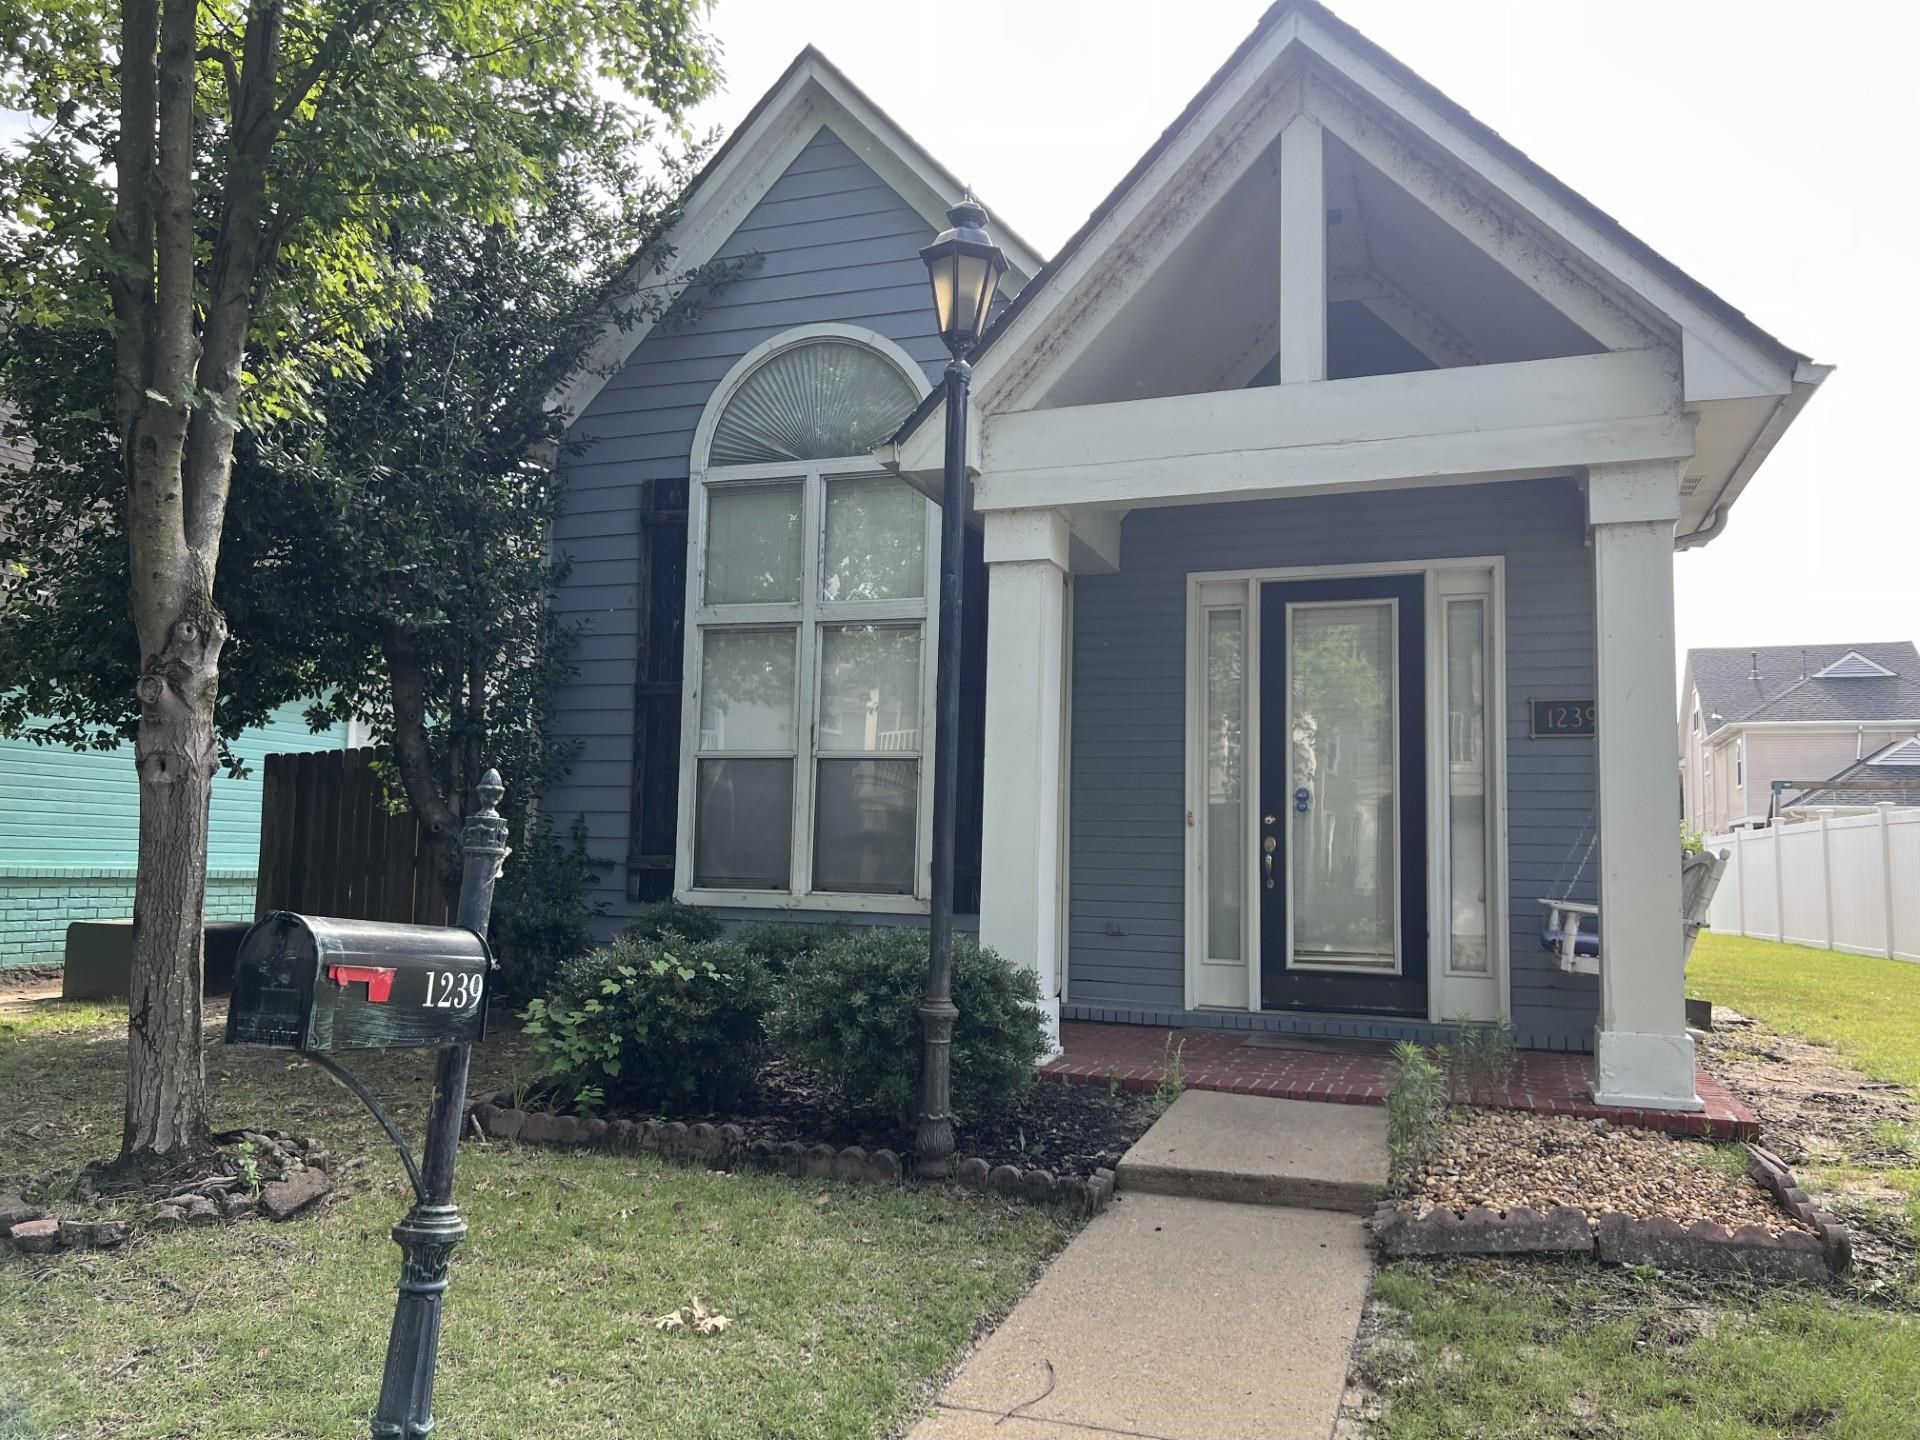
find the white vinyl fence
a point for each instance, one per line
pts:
(1847, 883)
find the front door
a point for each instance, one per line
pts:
(1343, 824)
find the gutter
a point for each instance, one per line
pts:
(1806, 379)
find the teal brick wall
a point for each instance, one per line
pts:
(35, 909)
(69, 835)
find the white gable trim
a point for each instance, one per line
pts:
(811, 96)
(1601, 280)
(1904, 752)
(1854, 666)
(1730, 359)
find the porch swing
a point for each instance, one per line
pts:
(1577, 951)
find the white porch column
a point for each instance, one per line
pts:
(1021, 822)
(1643, 1054)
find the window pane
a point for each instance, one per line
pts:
(753, 543)
(864, 830)
(876, 540)
(1226, 784)
(1343, 850)
(743, 825)
(746, 690)
(869, 688)
(1467, 783)
(814, 401)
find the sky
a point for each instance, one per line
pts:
(1765, 148)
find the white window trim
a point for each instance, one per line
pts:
(1480, 996)
(805, 617)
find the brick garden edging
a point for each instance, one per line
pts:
(728, 1146)
(1623, 1240)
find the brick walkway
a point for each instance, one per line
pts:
(1553, 1084)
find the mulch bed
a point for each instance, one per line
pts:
(1505, 1159)
(1067, 1129)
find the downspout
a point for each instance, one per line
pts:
(1700, 535)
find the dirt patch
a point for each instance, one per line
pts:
(1841, 1130)
(1813, 1106)
(1505, 1158)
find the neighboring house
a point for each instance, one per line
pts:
(1886, 777)
(1338, 436)
(1750, 717)
(69, 829)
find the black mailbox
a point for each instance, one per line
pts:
(313, 983)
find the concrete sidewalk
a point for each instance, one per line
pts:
(1173, 1319)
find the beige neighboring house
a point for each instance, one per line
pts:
(1749, 717)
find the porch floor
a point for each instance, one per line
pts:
(1553, 1084)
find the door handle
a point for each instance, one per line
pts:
(1267, 847)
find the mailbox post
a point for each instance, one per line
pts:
(324, 986)
(433, 1226)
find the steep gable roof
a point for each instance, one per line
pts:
(1790, 687)
(1724, 355)
(810, 94)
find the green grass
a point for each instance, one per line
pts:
(848, 1302)
(1868, 1009)
(1516, 1351)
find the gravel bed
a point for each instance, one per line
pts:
(1505, 1158)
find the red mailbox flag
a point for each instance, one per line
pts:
(378, 978)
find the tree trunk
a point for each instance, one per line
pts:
(166, 1115)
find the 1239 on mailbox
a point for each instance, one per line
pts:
(309, 982)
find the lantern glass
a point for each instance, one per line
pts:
(964, 267)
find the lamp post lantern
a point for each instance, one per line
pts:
(965, 267)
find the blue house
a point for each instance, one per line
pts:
(1325, 492)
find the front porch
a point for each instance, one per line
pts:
(1244, 1062)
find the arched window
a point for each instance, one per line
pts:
(812, 401)
(809, 638)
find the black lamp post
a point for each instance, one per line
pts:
(965, 267)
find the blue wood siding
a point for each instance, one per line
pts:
(829, 242)
(1126, 909)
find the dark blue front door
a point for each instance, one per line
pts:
(1343, 822)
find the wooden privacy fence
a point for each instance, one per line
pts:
(328, 845)
(1849, 883)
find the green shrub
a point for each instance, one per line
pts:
(666, 1023)
(578, 978)
(782, 944)
(850, 1011)
(540, 910)
(663, 917)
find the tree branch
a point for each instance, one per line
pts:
(327, 56)
(240, 254)
(130, 235)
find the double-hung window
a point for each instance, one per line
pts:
(809, 640)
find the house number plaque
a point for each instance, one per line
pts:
(1559, 719)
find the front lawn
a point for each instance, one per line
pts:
(1517, 1351)
(1866, 1008)
(847, 1302)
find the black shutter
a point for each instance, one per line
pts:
(661, 625)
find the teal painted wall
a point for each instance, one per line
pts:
(69, 835)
